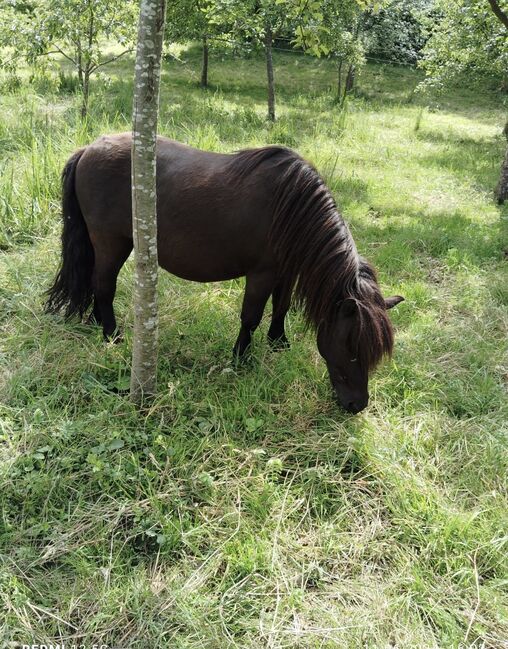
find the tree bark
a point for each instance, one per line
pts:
(269, 72)
(339, 80)
(350, 79)
(85, 90)
(79, 60)
(144, 221)
(499, 13)
(502, 187)
(204, 69)
(349, 83)
(86, 68)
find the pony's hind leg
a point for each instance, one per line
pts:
(257, 291)
(110, 256)
(281, 299)
(95, 316)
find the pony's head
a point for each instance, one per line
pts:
(354, 339)
(337, 289)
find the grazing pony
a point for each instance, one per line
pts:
(263, 213)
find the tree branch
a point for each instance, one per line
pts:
(69, 58)
(4, 64)
(500, 14)
(111, 60)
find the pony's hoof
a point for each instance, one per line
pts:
(239, 355)
(92, 320)
(279, 344)
(115, 338)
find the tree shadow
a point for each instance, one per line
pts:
(431, 234)
(462, 156)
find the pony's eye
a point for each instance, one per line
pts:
(353, 360)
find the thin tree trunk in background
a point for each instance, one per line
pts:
(350, 79)
(85, 89)
(79, 60)
(349, 83)
(204, 69)
(500, 14)
(269, 72)
(85, 79)
(351, 72)
(502, 188)
(144, 221)
(339, 80)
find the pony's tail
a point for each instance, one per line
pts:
(72, 288)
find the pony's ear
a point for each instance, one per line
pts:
(348, 307)
(390, 302)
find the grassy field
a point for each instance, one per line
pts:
(244, 509)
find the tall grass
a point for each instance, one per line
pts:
(244, 509)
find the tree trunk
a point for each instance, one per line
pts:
(85, 91)
(500, 14)
(350, 79)
(204, 69)
(339, 80)
(85, 79)
(269, 72)
(144, 222)
(79, 61)
(350, 82)
(502, 188)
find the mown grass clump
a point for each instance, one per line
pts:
(243, 508)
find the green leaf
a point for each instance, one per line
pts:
(116, 443)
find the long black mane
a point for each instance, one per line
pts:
(316, 252)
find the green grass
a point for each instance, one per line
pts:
(244, 509)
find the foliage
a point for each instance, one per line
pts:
(465, 38)
(345, 39)
(187, 20)
(247, 20)
(397, 31)
(76, 29)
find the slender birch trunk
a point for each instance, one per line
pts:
(269, 72)
(144, 223)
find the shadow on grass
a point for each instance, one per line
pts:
(465, 156)
(432, 234)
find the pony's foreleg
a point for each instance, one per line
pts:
(108, 261)
(257, 291)
(281, 299)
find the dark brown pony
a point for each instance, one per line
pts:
(263, 213)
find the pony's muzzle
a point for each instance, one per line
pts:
(354, 405)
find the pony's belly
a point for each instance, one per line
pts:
(193, 274)
(201, 266)
(210, 254)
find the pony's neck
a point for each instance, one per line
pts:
(314, 247)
